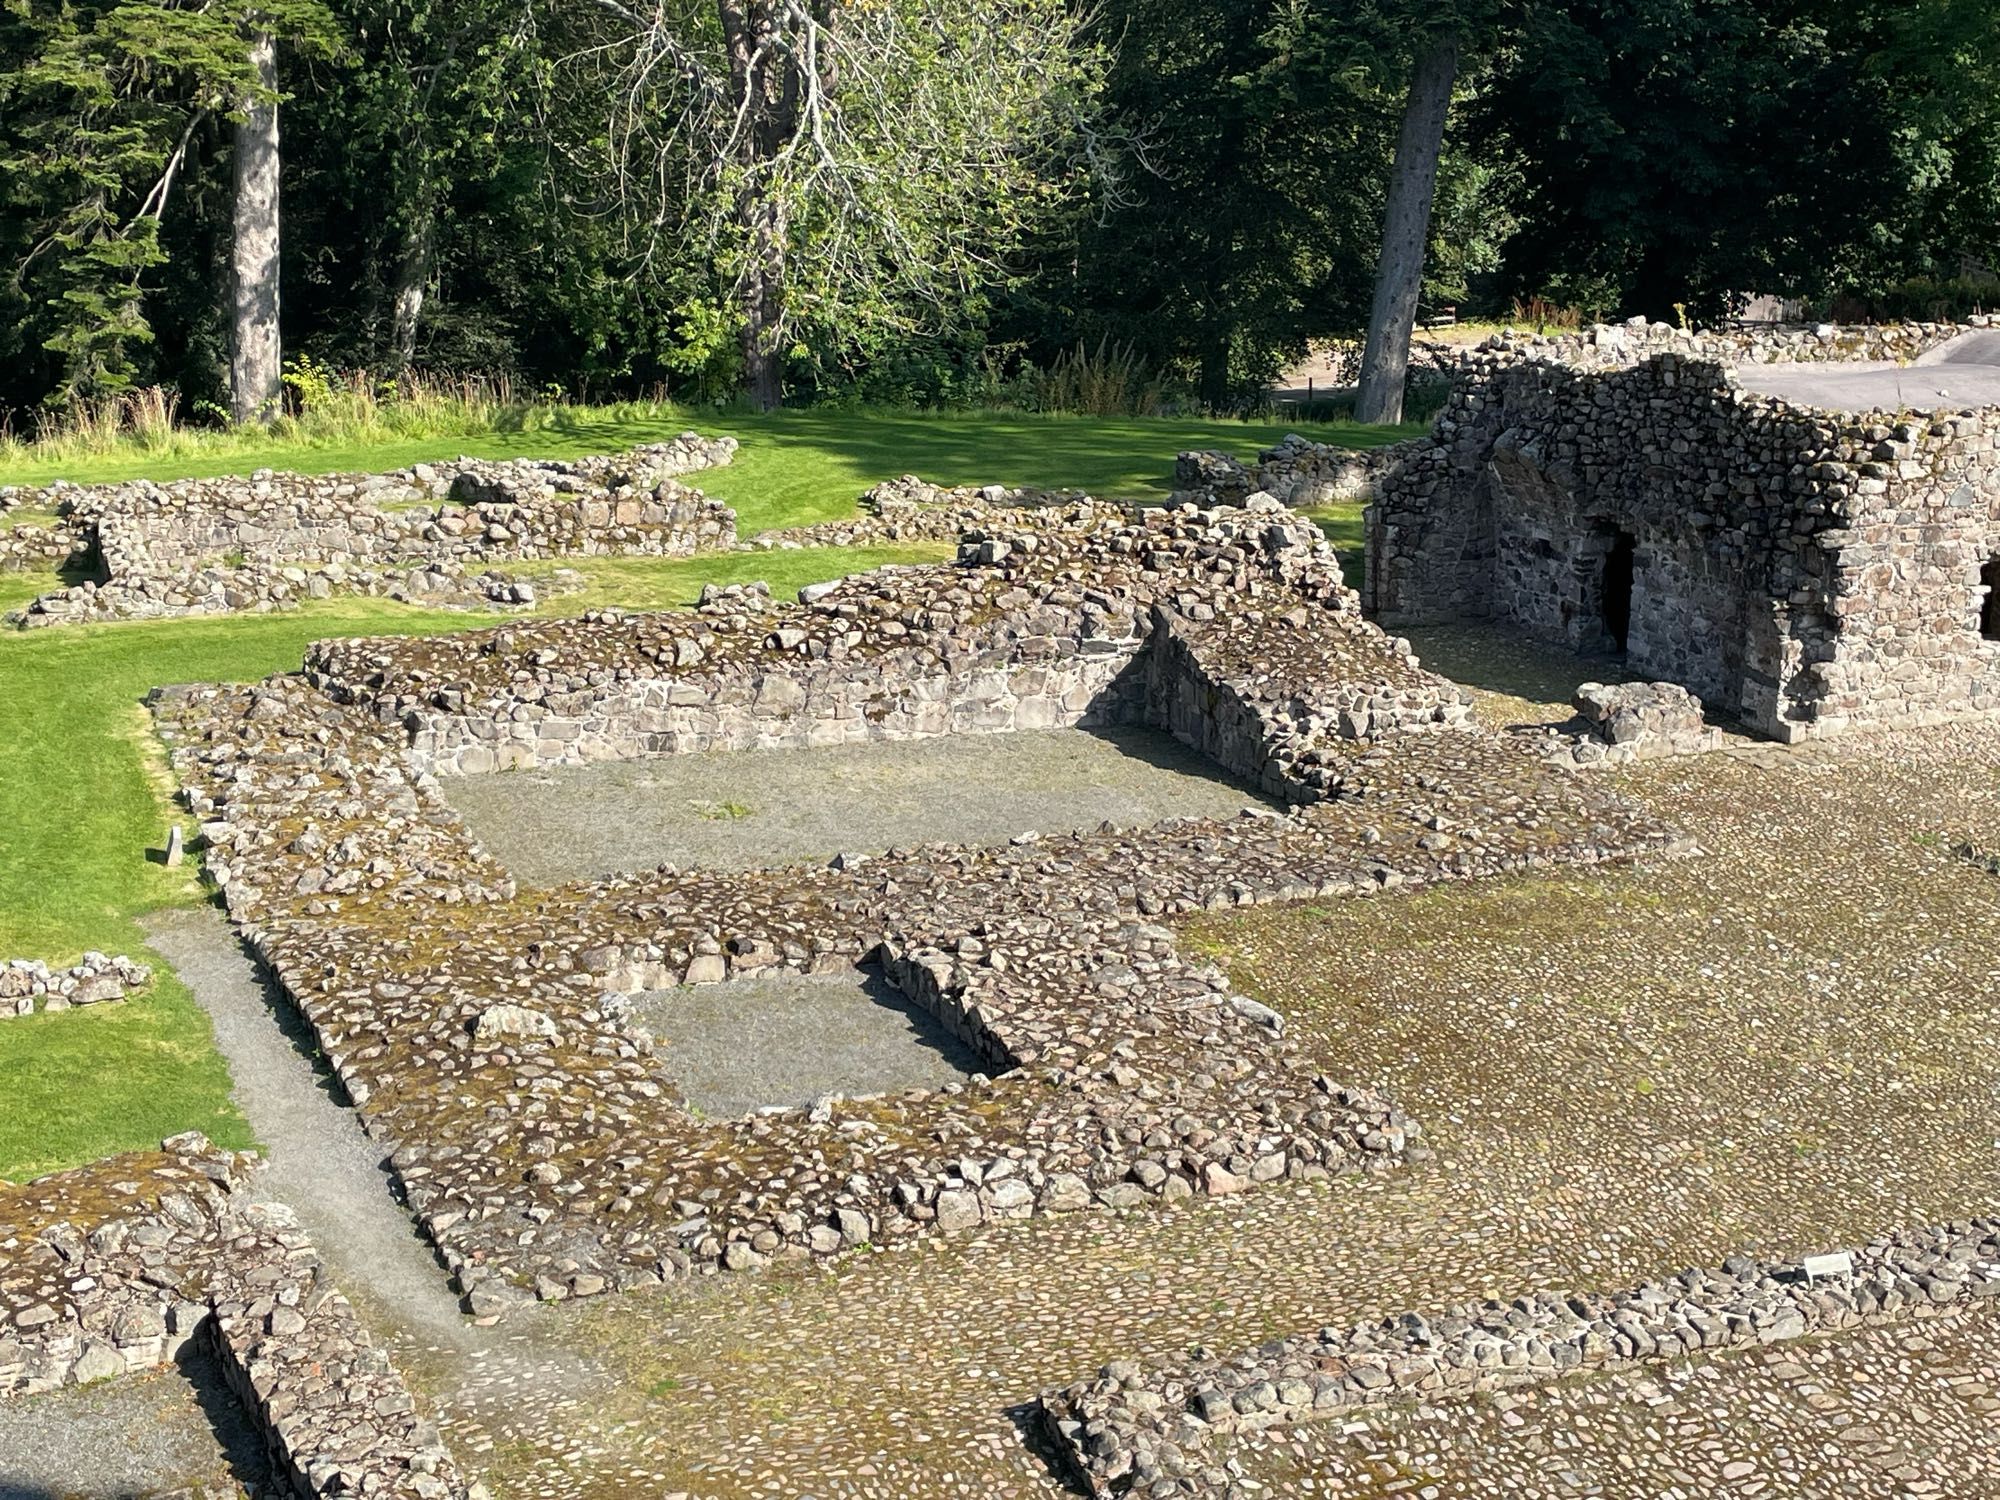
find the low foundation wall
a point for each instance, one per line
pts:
(114, 1268)
(1142, 1431)
(211, 546)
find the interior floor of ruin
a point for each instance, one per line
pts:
(756, 809)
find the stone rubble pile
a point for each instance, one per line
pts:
(910, 509)
(1297, 472)
(427, 533)
(482, 1032)
(1142, 1432)
(1630, 721)
(28, 985)
(112, 1269)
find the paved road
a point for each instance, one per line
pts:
(1962, 373)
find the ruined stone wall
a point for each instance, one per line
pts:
(114, 1268)
(1255, 697)
(208, 546)
(1799, 570)
(1895, 638)
(1142, 1430)
(1002, 642)
(1609, 346)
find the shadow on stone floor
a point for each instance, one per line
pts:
(1495, 659)
(1042, 1445)
(183, 1434)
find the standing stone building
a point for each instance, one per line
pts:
(1804, 571)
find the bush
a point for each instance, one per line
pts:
(1923, 299)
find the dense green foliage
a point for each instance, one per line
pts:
(934, 202)
(1680, 152)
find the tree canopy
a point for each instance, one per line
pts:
(916, 199)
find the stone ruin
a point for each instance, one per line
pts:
(213, 546)
(1803, 571)
(1120, 1072)
(486, 1042)
(29, 986)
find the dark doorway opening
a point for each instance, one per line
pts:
(1989, 611)
(1618, 590)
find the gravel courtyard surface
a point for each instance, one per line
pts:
(1785, 1044)
(740, 1046)
(740, 810)
(137, 1436)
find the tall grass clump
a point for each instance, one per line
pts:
(1108, 381)
(322, 408)
(1542, 315)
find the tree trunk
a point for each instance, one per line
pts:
(255, 370)
(765, 86)
(413, 274)
(1214, 378)
(760, 296)
(1406, 224)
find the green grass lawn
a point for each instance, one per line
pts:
(84, 793)
(797, 467)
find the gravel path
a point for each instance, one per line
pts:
(319, 1160)
(1962, 373)
(491, 1389)
(755, 809)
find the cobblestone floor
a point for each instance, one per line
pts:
(1786, 1044)
(1898, 1412)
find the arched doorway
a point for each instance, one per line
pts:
(1989, 610)
(1617, 589)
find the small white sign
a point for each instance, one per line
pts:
(1840, 1264)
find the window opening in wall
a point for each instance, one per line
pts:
(1618, 589)
(1989, 611)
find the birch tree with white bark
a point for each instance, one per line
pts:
(835, 163)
